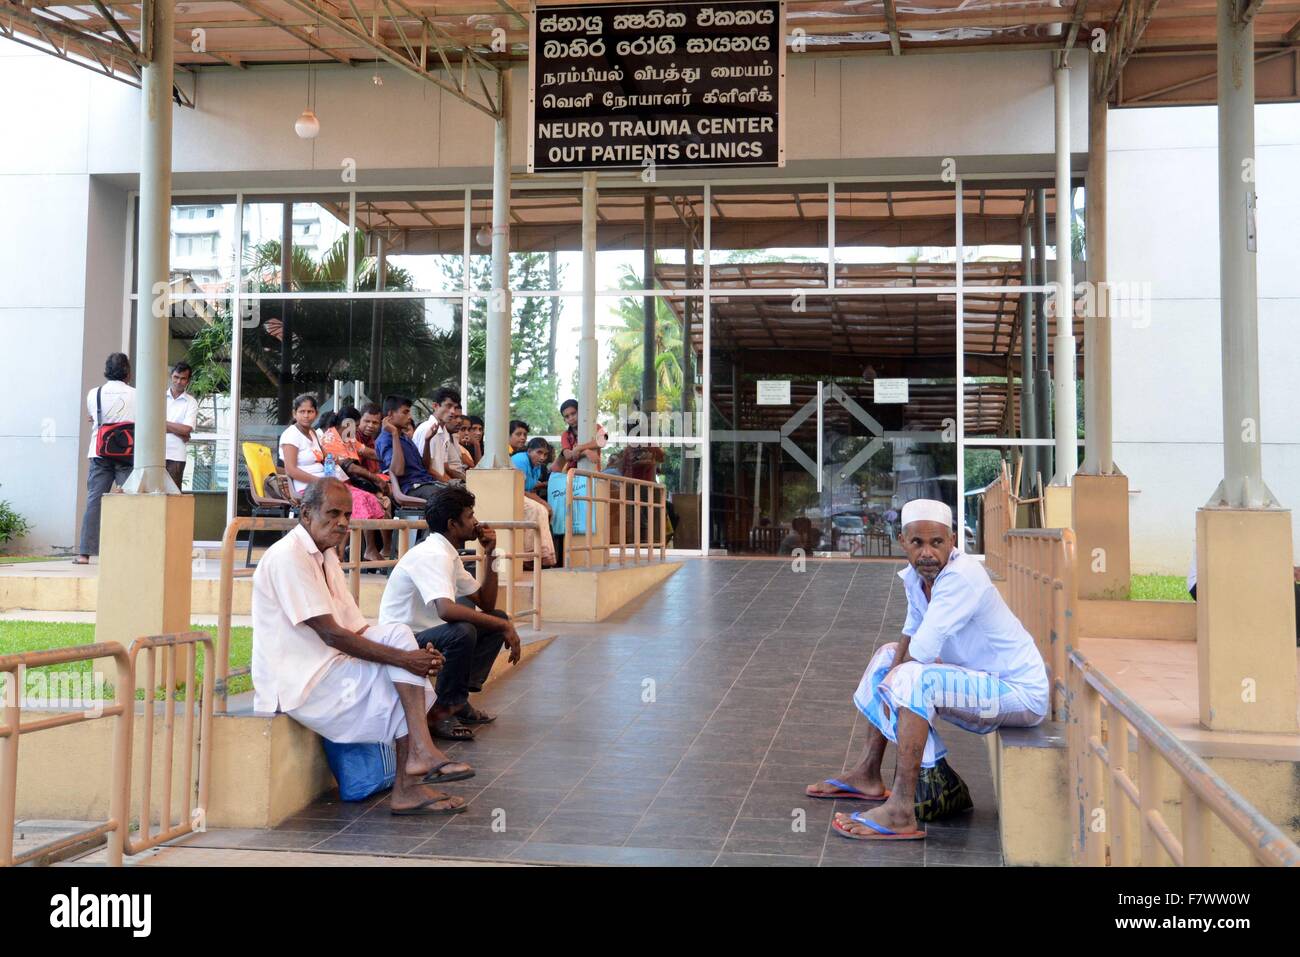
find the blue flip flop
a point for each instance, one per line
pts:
(882, 833)
(846, 792)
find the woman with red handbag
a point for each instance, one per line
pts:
(111, 411)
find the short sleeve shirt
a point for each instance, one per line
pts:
(183, 410)
(117, 401)
(293, 582)
(532, 473)
(429, 571)
(311, 456)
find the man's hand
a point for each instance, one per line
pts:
(387, 425)
(423, 662)
(512, 642)
(487, 538)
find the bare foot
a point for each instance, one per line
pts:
(419, 796)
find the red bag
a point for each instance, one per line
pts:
(115, 441)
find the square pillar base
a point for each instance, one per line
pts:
(1100, 523)
(145, 566)
(1056, 506)
(499, 496)
(1245, 620)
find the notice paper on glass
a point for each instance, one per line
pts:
(773, 391)
(890, 390)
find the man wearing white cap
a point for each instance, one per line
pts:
(963, 657)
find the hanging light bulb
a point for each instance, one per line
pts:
(307, 126)
(484, 235)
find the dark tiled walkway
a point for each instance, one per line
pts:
(752, 668)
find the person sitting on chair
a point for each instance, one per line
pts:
(991, 676)
(432, 592)
(319, 661)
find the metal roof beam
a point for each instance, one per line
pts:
(891, 24)
(1122, 39)
(57, 28)
(293, 30)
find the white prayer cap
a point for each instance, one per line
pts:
(926, 510)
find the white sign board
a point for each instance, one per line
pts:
(890, 390)
(773, 391)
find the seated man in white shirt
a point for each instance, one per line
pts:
(317, 659)
(991, 676)
(431, 591)
(433, 437)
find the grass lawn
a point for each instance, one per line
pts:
(19, 636)
(19, 559)
(1159, 588)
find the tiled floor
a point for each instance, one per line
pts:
(680, 732)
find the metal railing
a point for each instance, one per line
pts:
(13, 668)
(115, 831)
(355, 564)
(196, 798)
(648, 501)
(999, 518)
(1121, 817)
(1040, 592)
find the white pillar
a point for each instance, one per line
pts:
(587, 345)
(153, 271)
(1243, 482)
(1063, 348)
(1099, 455)
(496, 405)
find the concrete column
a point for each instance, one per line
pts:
(1099, 505)
(153, 272)
(688, 367)
(1063, 348)
(1098, 451)
(1245, 612)
(1042, 372)
(496, 406)
(147, 537)
(649, 303)
(587, 344)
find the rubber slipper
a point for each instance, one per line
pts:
(428, 809)
(882, 833)
(472, 715)
(433, 777)
(449, 729)
(846, 792)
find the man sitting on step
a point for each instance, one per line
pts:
(431, 591)
(319, 661)
(963, 657)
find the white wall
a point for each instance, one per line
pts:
(1162, 228)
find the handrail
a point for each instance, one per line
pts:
(1120, 816)
(1099, 745)
(15, 666)
(195, 813)
(653, 504)
(353, 566)
(999, 518)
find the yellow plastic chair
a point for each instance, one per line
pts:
(260, 463)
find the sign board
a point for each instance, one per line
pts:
(890, 390)
(647, 85)
(773, 391)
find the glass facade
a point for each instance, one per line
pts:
(809, 338)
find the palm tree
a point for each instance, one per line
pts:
(621, 380)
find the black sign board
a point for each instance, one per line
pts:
(646, 85)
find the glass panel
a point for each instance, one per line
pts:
(420, 236)
(343, 351)
(895, 236)
(769, 236)
(200, 334)
(678, 471)
(203, 245)
(319, 251)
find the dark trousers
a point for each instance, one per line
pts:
(470, 653)
(177, 471)
(103, 474)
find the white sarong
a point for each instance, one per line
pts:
(536, 512)
(356, 701)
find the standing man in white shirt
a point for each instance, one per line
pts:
(434, 440)
(182, 416)
(112, 402)
(963, 657)
(319, 661)
(431, 591)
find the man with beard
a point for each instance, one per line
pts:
(963, 657)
